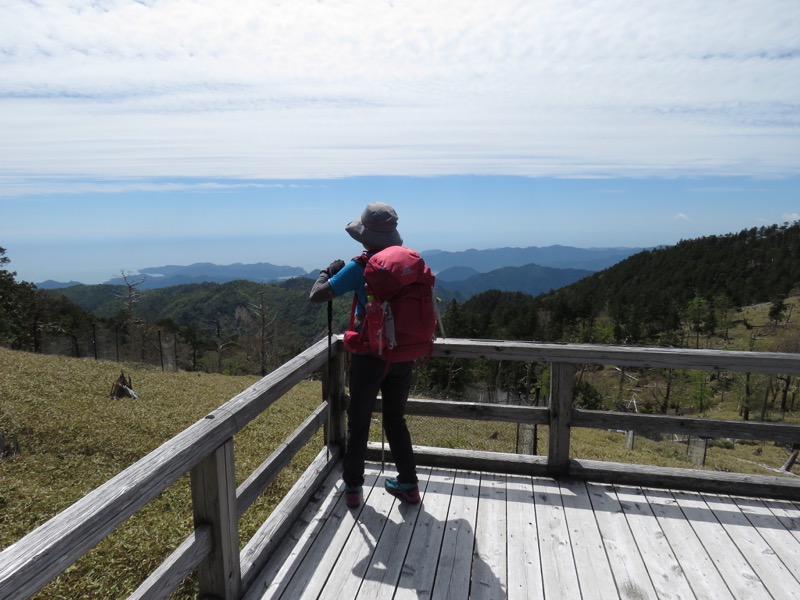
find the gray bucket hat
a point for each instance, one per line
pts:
(377, 226)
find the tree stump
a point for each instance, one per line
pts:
(123, 388)
(9, 446)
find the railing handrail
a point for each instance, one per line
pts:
(204, 447)
(631, 356)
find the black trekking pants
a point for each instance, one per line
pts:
(368, 376)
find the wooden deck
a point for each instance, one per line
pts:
(479, 535)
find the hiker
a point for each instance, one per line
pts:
(369, 374)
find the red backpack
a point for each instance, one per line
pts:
(400, 320)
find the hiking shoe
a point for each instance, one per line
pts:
(405, 491)
(353, 496)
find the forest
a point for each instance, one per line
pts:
(687, 295)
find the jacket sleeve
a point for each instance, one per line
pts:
(321, 291)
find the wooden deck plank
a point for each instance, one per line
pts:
(386, 564)
(489, 558)
(274, 578)
(591, 561)
(787, 513)
(630, 572)
(354, 561)
(699, 569)
(310, 578)
(512, 536)
(524, 560)
(740, 578)
(455, 561)
(666, 573)
(559, 574)
(769, 567)
(780, 539)
(419, 569)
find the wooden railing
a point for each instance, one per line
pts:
(205, 450)
(561, 417)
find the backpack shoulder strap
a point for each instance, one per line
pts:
(362, 260)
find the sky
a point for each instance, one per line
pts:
(137, 134)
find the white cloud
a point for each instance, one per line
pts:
(307, 89)
(681, 217)
(24, 186)
(791, 217)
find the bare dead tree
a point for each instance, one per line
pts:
(132, 294)
(264, 322)
(131, 297)
(224, 341)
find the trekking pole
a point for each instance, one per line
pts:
(438, 314)
(330, 379)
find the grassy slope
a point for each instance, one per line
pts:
(74, 438)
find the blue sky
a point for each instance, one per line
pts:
(138, 134)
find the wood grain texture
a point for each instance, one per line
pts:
(499, 536)
(665, 358)
(213, 485)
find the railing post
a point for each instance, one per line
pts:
(214, 501)
(333, 392)
(562, 384)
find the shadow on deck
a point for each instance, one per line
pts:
(485, 535)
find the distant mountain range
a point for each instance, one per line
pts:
(557, 257)
(51, 284)
(531, 270)
(530, 279)
(172, 275)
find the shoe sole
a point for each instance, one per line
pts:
(415, 499)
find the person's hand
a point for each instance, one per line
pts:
(335, 267)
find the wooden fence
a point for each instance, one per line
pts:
(205, 451)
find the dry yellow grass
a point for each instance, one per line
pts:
(73, 438)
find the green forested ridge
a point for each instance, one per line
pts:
(646, 297)
(736, 291)
(656, 296)
(237, 327)
(677, 295)
(235, 315)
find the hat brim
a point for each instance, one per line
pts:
(370, 237)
